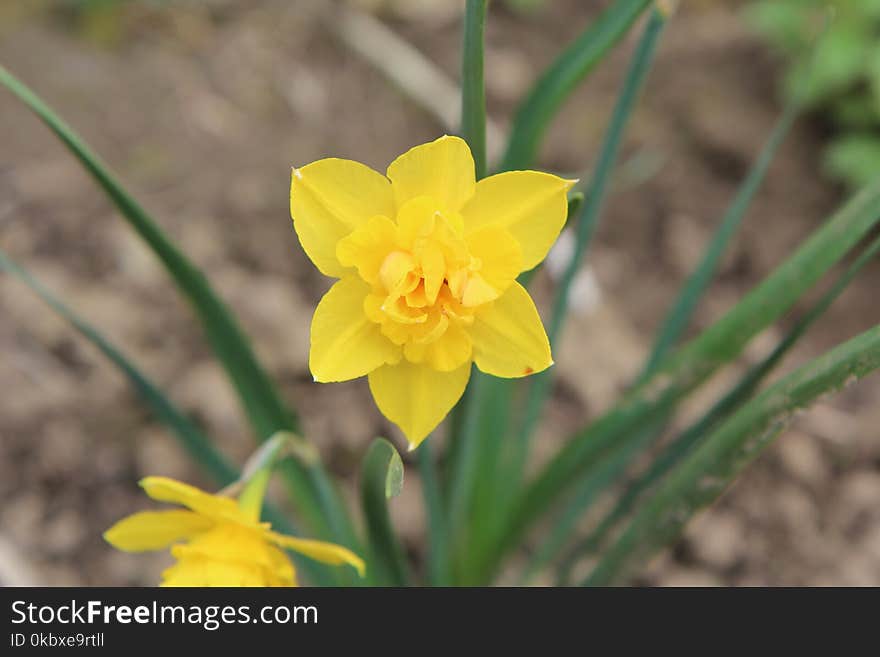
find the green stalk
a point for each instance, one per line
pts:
(588, 489)
(464, 468)
(260, 400)
(694, 362)
(251, 499)
(473, 88)
(692, 291)
(695, 433)
(695, 287)
(473, 131)
(562, 77)
(439, 569)
(497, 410)
(706, 472)
(675, 324)
(188, 435)
(465, 421)
(540, 384)
(382, 479)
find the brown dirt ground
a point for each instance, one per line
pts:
(203, 109)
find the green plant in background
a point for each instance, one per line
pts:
(839, 76)
(482, 503)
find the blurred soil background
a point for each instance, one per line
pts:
(202, 107)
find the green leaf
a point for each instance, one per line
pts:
(472, 509)
(696, 361)
(473, 89)
(703, 476)
(382, 479)
(188, 435)
(491, 424)
(466, 457)
(539, 387)
(774, 296)
(489, 399)
(732, 400)
(262, 404)
(258, 396)
(478, 438)
(602, 474)
(439, 566)
(562, 77)
(588, 488)
(692, 291)
(258, 468)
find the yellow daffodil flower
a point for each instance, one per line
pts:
(215, 541)
(427, 260)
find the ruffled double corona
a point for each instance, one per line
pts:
(427, 260)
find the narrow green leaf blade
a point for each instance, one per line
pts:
(259, 397)
(703, 476)
(188, 435)
(261, 402)
(732, 400)
(588, 488)
(697, 360)
(439, 566)
(463, 437)
(692, 291)
(560, 79)
(381, 479)
(473, 89)
(493, 493)
(539, 387)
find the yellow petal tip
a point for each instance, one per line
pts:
(296, 173)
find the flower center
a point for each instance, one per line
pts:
(429, 280)
(427, 275)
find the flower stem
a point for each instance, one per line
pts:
(473, 89)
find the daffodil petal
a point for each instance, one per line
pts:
(345, 343)
(434, 272)
(445, 354)
(205, 572)
(531, 205)
(230, 554)
(417, 397)
(367, 247)
(509, 339)
(500, 256)
(442, 169)
(328, 200)
(329, 553)
(164, 489)
(155, 530)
